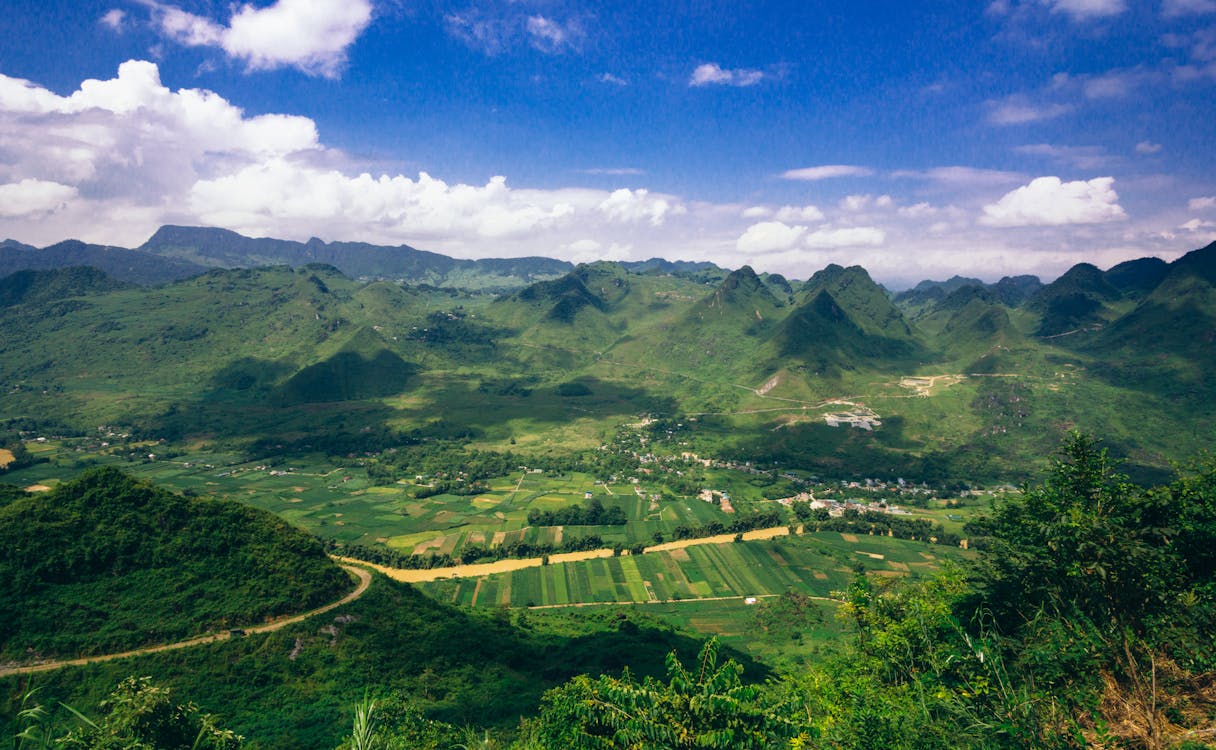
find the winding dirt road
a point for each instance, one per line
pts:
(365, 579)
(477, 570)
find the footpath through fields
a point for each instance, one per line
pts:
(477, 570)
(365, 579)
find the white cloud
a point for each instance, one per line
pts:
(918, 211)
(635, 205)
(31, 198)
(1018, 109)
(1202, 204)
(1082, 157)
(1085, 10)
(798, 213)
(484, 33)
(278, 191)
(756, 212)
(713, 74)
(311, 35)
(957, 176)
(1195, 225)
(114, 19)
(769, 236)
(827, 171)
(1148, 147)
(612, 79)
(846, 237)
(1176, 8)
(552, 37)
(1047, 201)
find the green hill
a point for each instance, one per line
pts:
(44, 287)
(106, 563)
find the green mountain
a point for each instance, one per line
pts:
(45, 287)
(1136, 278)
(132, 266)
(222, 248)
(844, 321)
(106, 563)
(1014, 290)
(1079, 298)
(363, 368)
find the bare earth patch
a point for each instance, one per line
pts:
(6, 457)
(37, 488)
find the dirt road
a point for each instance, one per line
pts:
(476, 570)
(365, 579)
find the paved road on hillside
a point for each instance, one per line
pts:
(365, 579)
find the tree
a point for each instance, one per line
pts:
(1087, 543)
(141, 716)
(708, 707)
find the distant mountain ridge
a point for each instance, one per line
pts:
(222, 248)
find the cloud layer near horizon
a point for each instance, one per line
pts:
(116, 158)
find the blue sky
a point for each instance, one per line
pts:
(919, 139)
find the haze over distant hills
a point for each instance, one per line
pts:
(177, 252)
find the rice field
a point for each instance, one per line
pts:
(813, 564)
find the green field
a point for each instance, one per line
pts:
(814, 564)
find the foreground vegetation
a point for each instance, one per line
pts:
(1087, 622)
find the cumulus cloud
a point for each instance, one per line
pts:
(846, 237)
(769, 236)
(636, 205)
(1148, 147)
(1047, 201)
(827, 171)
(612, 79)
(310, 35)
(1202, 204)
(799, 213)
(32, 198)
(711, 74)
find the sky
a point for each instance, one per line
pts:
(920, 139)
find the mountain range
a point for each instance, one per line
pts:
(962, 377)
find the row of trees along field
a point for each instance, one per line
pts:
(1088, 622)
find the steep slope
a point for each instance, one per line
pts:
(107, 563)
(1014, 290)
(866, 302)
(363, 368)
(722, 333)
(978, 326)
(1178, 318)
(1137, 278)
(132, 266)
(844, 321)
(1077, 299)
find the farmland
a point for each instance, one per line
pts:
(813, 564)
